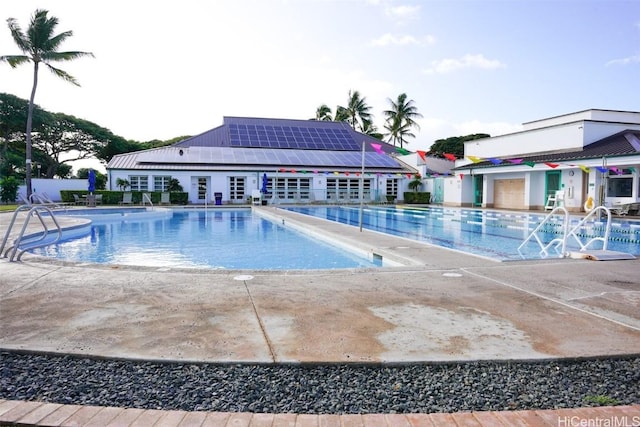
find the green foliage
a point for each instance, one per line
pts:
(122, 184)
(174, 186)
(115, 197)
(601, 400)
(417, 197)
(416, 183)
(9, 189)
(454, 145)
(101, 179)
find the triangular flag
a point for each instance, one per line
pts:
(377, 148)
(409, 175)
(449, 156)
(616, 170)
(632, 169)
(495, 161)
(402, 150)
(552, 165)
(474, 159)
(515, 161)
(602, 169)
(461, 176)
(584, 168)
(530, 164)
(422, 154)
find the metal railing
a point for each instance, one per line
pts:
(566, 233)
(19, 247)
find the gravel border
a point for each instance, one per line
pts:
(320, 388)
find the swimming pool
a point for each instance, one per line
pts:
(198, 238)
(493, 234)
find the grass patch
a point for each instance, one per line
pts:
(601, 400)
(8, 208)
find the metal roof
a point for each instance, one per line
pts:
(620, 144)
(340, 147)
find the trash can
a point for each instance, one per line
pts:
(218, 198)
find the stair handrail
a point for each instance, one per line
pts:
(33, 211)
(607, 230)
(557, 241)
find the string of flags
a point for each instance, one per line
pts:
(452, 157)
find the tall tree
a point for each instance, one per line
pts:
(356, 112)
(39, 45)
(323, 113)
(400, 119)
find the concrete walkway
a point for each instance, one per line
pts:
(439, 305)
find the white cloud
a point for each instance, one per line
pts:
(403, 12)
(390, 39)
(448, 65)
(624, 61)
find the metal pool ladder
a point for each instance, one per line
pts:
(567, 233)
(33, 211)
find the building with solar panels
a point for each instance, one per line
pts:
(290, 161)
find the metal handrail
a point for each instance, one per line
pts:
(33, 211)
(604, 240)
(148, 198)
(555, 242)
(567, 233)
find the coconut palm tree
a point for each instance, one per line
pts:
(356, 111)
(39, 45)
(323, 113)
(400, 119)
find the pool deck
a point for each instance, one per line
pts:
(440, 305)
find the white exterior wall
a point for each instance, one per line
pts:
(53, 186)
(218, 181)
(566, 137)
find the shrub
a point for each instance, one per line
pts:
(9, 189)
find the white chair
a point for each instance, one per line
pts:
(165, 199)
(554, 200)
(256, 197)
(127, 199)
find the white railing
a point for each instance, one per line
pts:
(559, 244)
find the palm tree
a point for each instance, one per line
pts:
(400, 119)
(39, 45)
(323, 113)
(357, 111)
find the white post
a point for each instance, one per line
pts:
(361, 188)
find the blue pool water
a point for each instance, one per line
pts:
(225, 238)
(492, 234)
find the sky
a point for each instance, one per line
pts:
(167, 69)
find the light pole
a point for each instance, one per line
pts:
(38, 166)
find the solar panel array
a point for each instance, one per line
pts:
(291, 137)
(270, 157)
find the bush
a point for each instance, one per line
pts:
(417, 197)
(115, 197)
(9, 189)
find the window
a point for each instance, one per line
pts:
(392, 187)
(290, 188)
(347, 188)
(236, 188)
(620, 183)
(161, 183)
(139, 182)
(620, 187)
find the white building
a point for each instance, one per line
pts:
(293, 160)
(591, 155)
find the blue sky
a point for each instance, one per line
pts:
(164, 69)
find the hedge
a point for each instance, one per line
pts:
(417, 197)
(115, 197)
